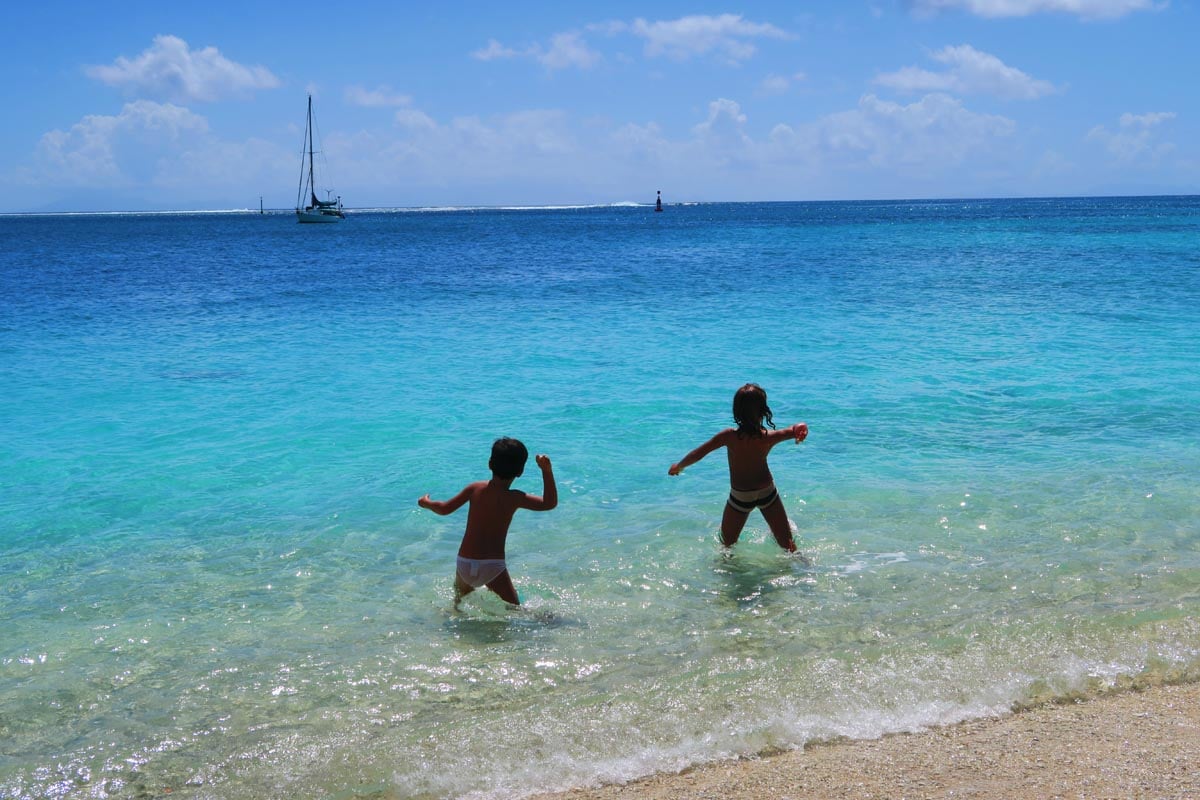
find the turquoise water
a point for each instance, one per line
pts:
(215, 580)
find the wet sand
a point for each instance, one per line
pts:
(1133, 744)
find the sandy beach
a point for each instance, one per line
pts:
(1134, 744)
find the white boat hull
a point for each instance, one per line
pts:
(305, 215)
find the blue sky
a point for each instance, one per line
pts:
(152, 105)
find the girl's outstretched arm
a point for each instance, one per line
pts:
(699, 453)
(797, 432)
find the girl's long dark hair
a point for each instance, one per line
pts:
(750, 410)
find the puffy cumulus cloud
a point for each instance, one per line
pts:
(725, 127)
(1086, 9)
(728, 35)
(542, 155)
(121, 149)
(467, 152)
(933, 145)
(934, 133)
(170, 70)
(538, 156)
(380, 97)
(157, 155)
(969, 71)
(565, 50)
(1136, 136)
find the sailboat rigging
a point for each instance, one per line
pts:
(310, 208)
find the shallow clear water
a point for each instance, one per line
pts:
(214, 577)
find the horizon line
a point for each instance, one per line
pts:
(580, 206)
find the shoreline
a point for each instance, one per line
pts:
(1138, 743)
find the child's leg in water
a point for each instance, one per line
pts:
(502, 585)
(461, 589)
(732, 524)
(777, 518)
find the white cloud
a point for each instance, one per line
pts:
(929, 146)
(934, 142)
(541, 155)
(775, 84)
(170, 70)
(566, 49)
(119, 149)
(934, 133)
(724, 128)
(467, 151)
(157, 155)
(779, 84)
(414, 120)
(494, 51)
(969, 71)
(540, 132)
(1086, 9)
(641, 139)
(609, 28)
(728, 35)
(1135, 137)
(1146, 120)
(380, 97)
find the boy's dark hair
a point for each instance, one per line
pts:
(508, 458)
(750, 410)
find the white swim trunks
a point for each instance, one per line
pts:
(476, 572)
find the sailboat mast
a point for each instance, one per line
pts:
(311, 183)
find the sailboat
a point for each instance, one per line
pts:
(309, 208)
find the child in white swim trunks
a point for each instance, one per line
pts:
(750, 481)
(492, 506)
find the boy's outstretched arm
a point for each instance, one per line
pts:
(549, 498)
(697, 454)
(444, 507)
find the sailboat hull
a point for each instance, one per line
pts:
(304, 215)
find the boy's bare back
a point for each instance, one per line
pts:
(492, 505)
(489, 514)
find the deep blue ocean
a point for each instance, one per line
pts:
(215, 580)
